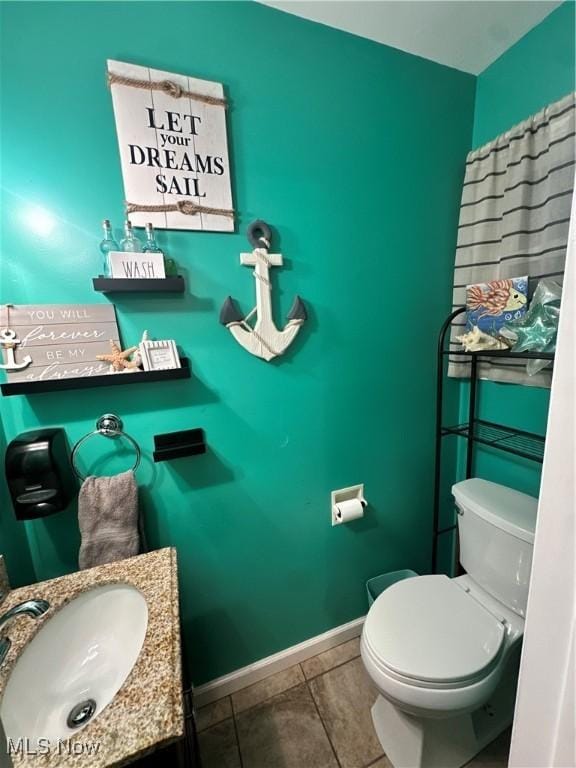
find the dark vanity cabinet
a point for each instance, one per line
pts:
(181, 754)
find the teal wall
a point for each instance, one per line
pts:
(355, 153)
(539, 69)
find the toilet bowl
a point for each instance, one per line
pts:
(444, 653)
(462, 658)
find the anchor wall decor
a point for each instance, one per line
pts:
(263, 339)
(8, 342)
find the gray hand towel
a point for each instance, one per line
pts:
(108, 519)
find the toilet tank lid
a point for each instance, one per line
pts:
(503, 507)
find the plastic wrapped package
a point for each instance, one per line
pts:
(537, 330)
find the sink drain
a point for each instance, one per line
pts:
(81, 713)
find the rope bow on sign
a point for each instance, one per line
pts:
(263, 339)
(187, 207)
(169, 87)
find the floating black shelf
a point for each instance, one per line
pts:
(107, 380)
(137, 285)
(501, 353)
(175, 445)
(516, 441)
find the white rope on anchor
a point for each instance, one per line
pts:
(249, 315)
(259, 253)
(262, 279)
(262, 254)
(244, 324)
(261, 340)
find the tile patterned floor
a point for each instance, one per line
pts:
(312, 715)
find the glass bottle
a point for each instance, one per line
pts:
(170, 267)
(108, 244)
(130, 242)
(151, 246)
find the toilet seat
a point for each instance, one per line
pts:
(429, 632)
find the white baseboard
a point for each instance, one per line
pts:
(253, 673)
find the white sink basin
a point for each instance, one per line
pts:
(75, 664)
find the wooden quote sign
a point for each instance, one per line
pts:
(62, 339)
(173, 148)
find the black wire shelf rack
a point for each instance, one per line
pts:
(501, 437)
(516, 441)
(500, 353)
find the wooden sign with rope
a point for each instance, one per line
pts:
(173, 148)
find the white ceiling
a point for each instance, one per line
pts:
(465, 34)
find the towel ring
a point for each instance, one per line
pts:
(108, 425)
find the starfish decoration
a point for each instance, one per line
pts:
(118, 359)
(537, 330)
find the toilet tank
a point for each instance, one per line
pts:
(496, 530)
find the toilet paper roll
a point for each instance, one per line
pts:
(349, 510)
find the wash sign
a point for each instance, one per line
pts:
(136, 265)
(173, 148)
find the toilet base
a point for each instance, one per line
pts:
(419, 742)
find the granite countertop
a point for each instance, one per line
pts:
(147, 711)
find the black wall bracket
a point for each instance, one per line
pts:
(174, 445)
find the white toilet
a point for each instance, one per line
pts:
(444, 653)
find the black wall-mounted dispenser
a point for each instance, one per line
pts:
(39, 473)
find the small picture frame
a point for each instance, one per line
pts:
(159, 355)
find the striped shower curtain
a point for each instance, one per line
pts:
(514, 218)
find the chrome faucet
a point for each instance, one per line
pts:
(32, 608)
